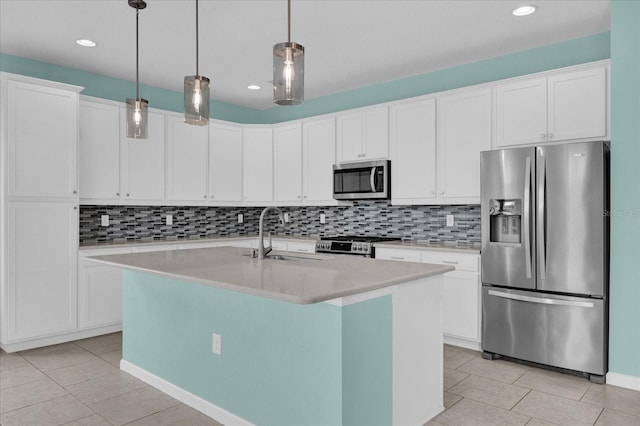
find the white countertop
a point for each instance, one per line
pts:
(311, 278)
(412, 245)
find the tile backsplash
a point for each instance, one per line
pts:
(411, 223)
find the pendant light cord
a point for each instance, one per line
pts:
(137, 77)
(197, 71)
(288, 21)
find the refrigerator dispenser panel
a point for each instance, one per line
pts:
(506, 216)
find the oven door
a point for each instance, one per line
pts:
(360, 181)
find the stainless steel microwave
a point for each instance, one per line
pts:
(362, 181)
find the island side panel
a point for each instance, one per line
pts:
(280, 362)
(417, 351)
(367, 362)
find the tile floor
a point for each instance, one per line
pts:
(79, 383)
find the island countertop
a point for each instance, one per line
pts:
(299, 279)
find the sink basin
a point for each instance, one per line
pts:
(294, 257)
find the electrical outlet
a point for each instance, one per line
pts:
(216, 345)
(240, 218)
(286, 217)
(104, 220)
(323, 218)
(449, 220)
(169, 219)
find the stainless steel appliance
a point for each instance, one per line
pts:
(362, 181)
(545, 252)
(353, 244)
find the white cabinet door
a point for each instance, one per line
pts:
(42, 250)
(287, 163)
(258, 165)
(225, 163)
(521, 112)
(318, 158)
(99, 148)
(350, 136)
(413, 152)
(363, 135)
(187, 160)
(42, 132)
(461, 306)
(464, 129)
(376, 131)
(577, 105)
(142, 161)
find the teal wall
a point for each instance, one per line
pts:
(624, 329)
(281, 364)
(572, 52)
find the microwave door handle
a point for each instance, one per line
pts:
(541, 219)
(372, 179)
(527, 216)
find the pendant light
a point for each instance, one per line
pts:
(196, 93)
(288, 69)
(137, 108)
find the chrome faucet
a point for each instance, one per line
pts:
(262, 250)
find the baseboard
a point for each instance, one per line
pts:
(623, 381)
(463, 343)
(207, 408)
(23, 345)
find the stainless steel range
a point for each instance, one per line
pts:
(351, 244)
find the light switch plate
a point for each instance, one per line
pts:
(104, 220)
(216, 344)
(286, 217)
(449, 220)
(323, 218)
(169, 219)
(240, 218)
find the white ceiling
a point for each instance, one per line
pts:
(348, 43)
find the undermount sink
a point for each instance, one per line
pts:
(295, 257)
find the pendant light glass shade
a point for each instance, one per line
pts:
(136, 112)
(196, 93)
(137, 118)
(288, 73)
(288, 69)
(196, 100)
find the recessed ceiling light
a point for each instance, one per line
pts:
(524, 10)
(254, 87)
(86, 43)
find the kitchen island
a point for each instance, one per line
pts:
(305, 340)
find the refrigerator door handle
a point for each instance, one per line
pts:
(527, 216)
(541, 300)
(542, 218)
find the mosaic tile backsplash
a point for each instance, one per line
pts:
(411, 223)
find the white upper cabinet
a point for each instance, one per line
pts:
(42, 135)
(99, 151)
(318, 158)
(258, 165)
(287, 163)
(571, 105)
(142, 162)
(187, 160)
(363, 135)
(463, 130)
(225, 163)
(577, 105)
(413, 152)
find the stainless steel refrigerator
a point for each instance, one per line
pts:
(545, 255)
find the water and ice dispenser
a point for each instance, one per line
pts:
(505, 220)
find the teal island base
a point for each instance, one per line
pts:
(373, 358)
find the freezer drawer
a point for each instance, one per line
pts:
(561, 331)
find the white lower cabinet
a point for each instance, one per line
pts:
(461, 299)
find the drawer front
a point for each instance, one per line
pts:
(301, 247)
(399, 255)
(461, 261)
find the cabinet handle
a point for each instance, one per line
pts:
(299, 197)
(303, 250)
(397, 257)
(550, 135)
(450, 262)
(305, 197)
(205, 196)
(75, 192)
(75, 207)
(543, 135)
(441, 192)
(127, 194)
(433, 192)
(117, 194)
